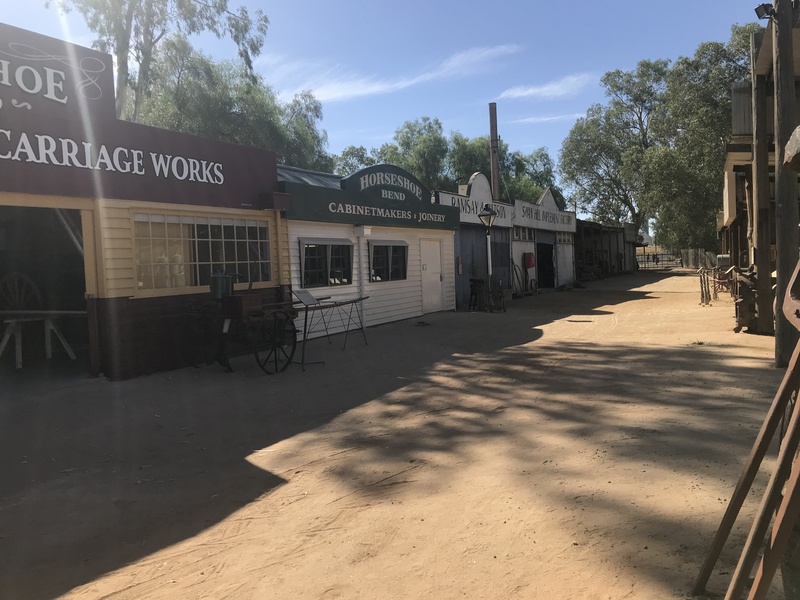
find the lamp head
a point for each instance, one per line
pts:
(765, 11)
(487, 216)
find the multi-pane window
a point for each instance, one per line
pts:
(523, 233)
(326, 262)
(565, 237)
(388, 261)
(176, 251)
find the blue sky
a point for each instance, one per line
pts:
(375, 64)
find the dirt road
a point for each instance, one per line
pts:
(582, 445)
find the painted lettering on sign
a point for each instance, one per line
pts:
(529, 212)
(432, 217)
(369, 211)
(358, 210)
(47, 82)
(20, 70)
(532, 215)
(187, 168)
(392, 195)
(393, 179)
(66, 152)
(470, 208)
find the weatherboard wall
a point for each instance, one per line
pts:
(388, 300)
(62, 148)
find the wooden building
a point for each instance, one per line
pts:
(471, 250)
(119, 226)
(547, 233)
(604, 250)
(749, 220)
(375, 234)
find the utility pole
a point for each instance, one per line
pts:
(786, 209)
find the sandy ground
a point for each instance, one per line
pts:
(582, 445)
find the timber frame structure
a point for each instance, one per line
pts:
(757, 231)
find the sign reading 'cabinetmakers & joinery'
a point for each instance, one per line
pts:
(379, 195)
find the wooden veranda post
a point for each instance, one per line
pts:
(786, 210)
(760, 206)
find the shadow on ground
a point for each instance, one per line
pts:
(99, 474)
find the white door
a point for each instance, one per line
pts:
(432, 279)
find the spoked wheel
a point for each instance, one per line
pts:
(276, 339)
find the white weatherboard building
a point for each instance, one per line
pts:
(543, 244)
(373, 234)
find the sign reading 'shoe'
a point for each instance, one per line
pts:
(52, 78)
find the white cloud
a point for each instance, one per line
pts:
(331, 83)
(548, 118)
(571, 85)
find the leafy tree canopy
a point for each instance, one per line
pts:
(193, 94)
(657, 148)
(352, 159)
(132, 29)
(440, 163)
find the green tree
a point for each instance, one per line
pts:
(352, 159)
(592, 161)
(420, 148)
(193, 94)
(441, 164)
(523, 176)
(132, 29)
(466, 156)
(527, 176)
(684, 173)
(601, 158)
(658, 147)
(306, 143)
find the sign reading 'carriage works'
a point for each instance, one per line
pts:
(59, 135)
(379, 195)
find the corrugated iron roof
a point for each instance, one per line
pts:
(295, 175)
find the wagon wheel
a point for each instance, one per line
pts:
(275, 342)
(18, 292)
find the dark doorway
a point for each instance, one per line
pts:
(545, 266)
(471, 252)
(45, 245)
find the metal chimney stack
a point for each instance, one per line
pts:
(494, 144)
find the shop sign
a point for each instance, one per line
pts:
(59, 135)
(544, 215)
(127, 161)
(45, 149)
(379, 195)
(48, 77)
(469, 208)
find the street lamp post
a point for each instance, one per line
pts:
(487, 217)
